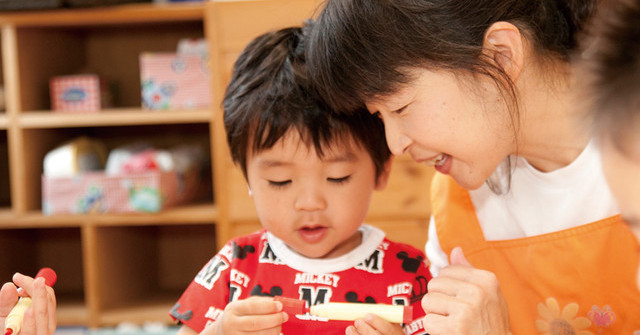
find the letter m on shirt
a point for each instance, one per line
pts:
(315, 295)
(211, 272)
(372, 264)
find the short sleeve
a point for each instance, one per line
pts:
(207, 295)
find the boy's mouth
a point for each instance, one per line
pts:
(312, 234)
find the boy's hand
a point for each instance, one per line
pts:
(465, 300)
(40, 318)
(372, 325)
(253, 315)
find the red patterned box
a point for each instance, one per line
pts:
(78, 93)
(173, 81)
(97, 192)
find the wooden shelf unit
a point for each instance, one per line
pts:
(132, 267)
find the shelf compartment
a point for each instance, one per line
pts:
(142, 270)
(28, 250)
(39, 141)
(112, 52)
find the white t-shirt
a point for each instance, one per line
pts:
(537, 203)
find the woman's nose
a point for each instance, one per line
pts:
(398, 142)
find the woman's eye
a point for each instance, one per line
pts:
(279, 184)
(399, 110)
(339, 180)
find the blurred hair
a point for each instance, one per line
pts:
(611, 60)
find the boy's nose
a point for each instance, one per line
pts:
(310, 199)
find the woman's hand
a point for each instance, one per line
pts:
(255, 315)
(465, 300)
(38, 319)
(374, 325)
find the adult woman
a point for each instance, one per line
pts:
(483, 91)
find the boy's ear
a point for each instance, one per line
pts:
(250, 192)
(504, 43)
(383, 178)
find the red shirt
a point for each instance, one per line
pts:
(377, 271)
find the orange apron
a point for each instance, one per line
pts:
(576, 281)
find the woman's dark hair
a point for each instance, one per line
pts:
(360, 49)
(612, 61)
(270, 94)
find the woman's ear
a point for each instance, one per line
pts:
(383, 178)
(504, 43)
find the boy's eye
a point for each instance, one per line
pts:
(279, 184)
(339, 180)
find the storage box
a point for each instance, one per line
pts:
(172, 81)
(97, 192)
(78, 93)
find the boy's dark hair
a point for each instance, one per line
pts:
(612, 60)
(270, 93)
(359, 49)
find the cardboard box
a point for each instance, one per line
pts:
(172, 81)
(78, 93)
(97, 192)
